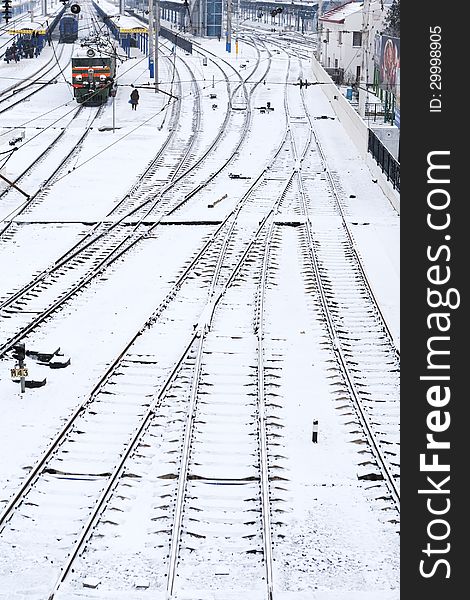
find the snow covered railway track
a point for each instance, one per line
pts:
(15, 92)
(175, 152)
(221, 536)
(176, 161)
(173, 451)
(98, 249)
(72, 146)
(364, 347)
(222, 150)
(365, 359)
(23, 311)
(126, 399)
(295, 48)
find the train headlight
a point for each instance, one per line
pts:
(78, 78)
(102, 78)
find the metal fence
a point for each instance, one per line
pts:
(385, 160)
(336, 74)
(174, 38)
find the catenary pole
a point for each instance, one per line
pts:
(228, 46)
(157, 33)
(364, 53)
(319, 29)
(151, 39)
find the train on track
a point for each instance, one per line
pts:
(68, 28)
(93, 71)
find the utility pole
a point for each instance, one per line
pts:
(319, 30)
(200, 17)
(157, 33)
(113, 92)
(43, 9)
(121, 7)
(228, 45)
(364, 62)
(237, 26)
(151, 40)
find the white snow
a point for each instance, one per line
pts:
(333, 536)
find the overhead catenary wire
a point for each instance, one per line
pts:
(126, 134)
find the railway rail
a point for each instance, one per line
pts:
(357, 328)
(205, 440)
(13, 308)
(238, 246)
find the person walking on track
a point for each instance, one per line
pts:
(134, 99)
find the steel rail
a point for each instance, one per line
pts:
(118, 251)
(262, 427)
(335, 338)
(66, 429)
(49, 180)
(349, 235)
(199, 334)
(217, 294)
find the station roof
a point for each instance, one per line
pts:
(29, 27)
(125, 23)
(128, 24)
(338, 14)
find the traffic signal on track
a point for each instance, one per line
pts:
(19, 352)
(75, 9)
(6, 10)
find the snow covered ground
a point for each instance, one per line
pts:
(334, 536)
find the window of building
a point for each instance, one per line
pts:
(357, 38)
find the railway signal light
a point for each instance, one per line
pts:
(7, 10)
(75, 9)
(19, 352)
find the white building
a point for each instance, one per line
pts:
(342, 38)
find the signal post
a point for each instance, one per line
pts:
(19, 353)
